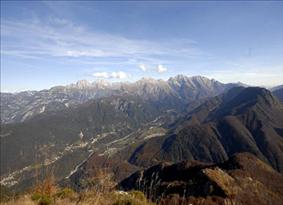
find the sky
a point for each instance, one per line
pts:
(48, 43)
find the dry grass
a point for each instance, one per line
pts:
(88, 198)
(100, 191)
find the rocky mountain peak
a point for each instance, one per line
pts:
(83, 84)
(100, 83)
(199, 78)
(177, 80)
(194, 81)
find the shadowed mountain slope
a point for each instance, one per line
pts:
(242, 179)
(242, 120)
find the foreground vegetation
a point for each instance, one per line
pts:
(101, 192)
(86, 198)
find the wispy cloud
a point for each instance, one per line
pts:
(60, 38)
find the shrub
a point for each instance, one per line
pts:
(45, 200)
(36, 196)
(65, 193)
(41, 199)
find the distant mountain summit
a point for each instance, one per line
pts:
(85, 84)
(197, 87)
(82, 84)
(278, 92)
(276, 88)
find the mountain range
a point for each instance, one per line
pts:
(18, 107)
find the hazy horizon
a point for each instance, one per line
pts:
(47, 43)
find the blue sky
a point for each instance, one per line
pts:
(47, 43)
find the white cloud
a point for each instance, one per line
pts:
(101, 75)
(117, 75)
(143, 67)
(161, 69)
